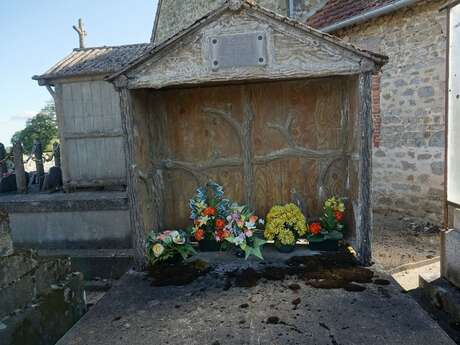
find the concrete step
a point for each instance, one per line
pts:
(408, 275)
(96, 264)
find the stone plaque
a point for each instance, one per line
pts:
(238, 50)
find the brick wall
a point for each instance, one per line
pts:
(409, 126)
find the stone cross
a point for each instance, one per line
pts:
(37, 151)
(80, 29)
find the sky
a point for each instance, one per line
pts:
(35, 34)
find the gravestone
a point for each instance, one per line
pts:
(6, 244)
(450, 265)
(53, 180)
(8, 184)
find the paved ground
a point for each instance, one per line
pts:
(291, 311)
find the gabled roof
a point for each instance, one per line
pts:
(94, 61)
(234, 5)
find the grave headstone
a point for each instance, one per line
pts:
(53, 180)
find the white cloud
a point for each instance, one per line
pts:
(22, 116)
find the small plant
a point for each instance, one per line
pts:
(285, 224)
(239, 231)
(330, 226)
(208, 211)
(170, 246)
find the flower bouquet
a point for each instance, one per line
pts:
(285, 224)
(209, 210)
(240, 228)
(325, 234)
(168, 247)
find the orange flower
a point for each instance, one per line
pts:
(338, 216)
(220, 224)
(209, 211)
(222, 235)
(315, 228)
(199, 234)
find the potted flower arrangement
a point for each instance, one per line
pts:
(209, 211)
(168, 247)
(326, 234)
(240, 228)
(285, 224)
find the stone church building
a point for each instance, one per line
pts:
(408, 95)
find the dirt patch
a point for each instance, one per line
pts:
(178, 275)
(328, 271)
(396, 242)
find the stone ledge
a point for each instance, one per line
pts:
(63, 202)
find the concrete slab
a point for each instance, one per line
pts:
(409, 278)
(451, 255)
(207, 312)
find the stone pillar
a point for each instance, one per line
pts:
(3, 166)
(450, 252)
(21, 181)
(6, 244)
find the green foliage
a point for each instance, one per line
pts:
(42, 127)
(168, 245)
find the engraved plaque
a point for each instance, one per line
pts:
(238, 50)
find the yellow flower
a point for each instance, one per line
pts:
(277, 219)
(158, 249)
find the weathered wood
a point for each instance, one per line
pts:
(3, 156)
(90, 131)
(21, 181)
(287, 135)
(364, 217)
(136, 220)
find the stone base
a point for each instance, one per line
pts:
(83, 220)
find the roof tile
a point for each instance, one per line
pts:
(98, 60)
(337, 10)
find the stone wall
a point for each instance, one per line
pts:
(6, 244)
(176, 15)
(409, 160)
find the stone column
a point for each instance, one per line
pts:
(450, 252)
(6, 244)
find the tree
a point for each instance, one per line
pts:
(42, 127)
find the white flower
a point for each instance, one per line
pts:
(177, 237)
(250, 225)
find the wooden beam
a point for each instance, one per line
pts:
(364, 213)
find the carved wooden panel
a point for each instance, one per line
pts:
(267, 143)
